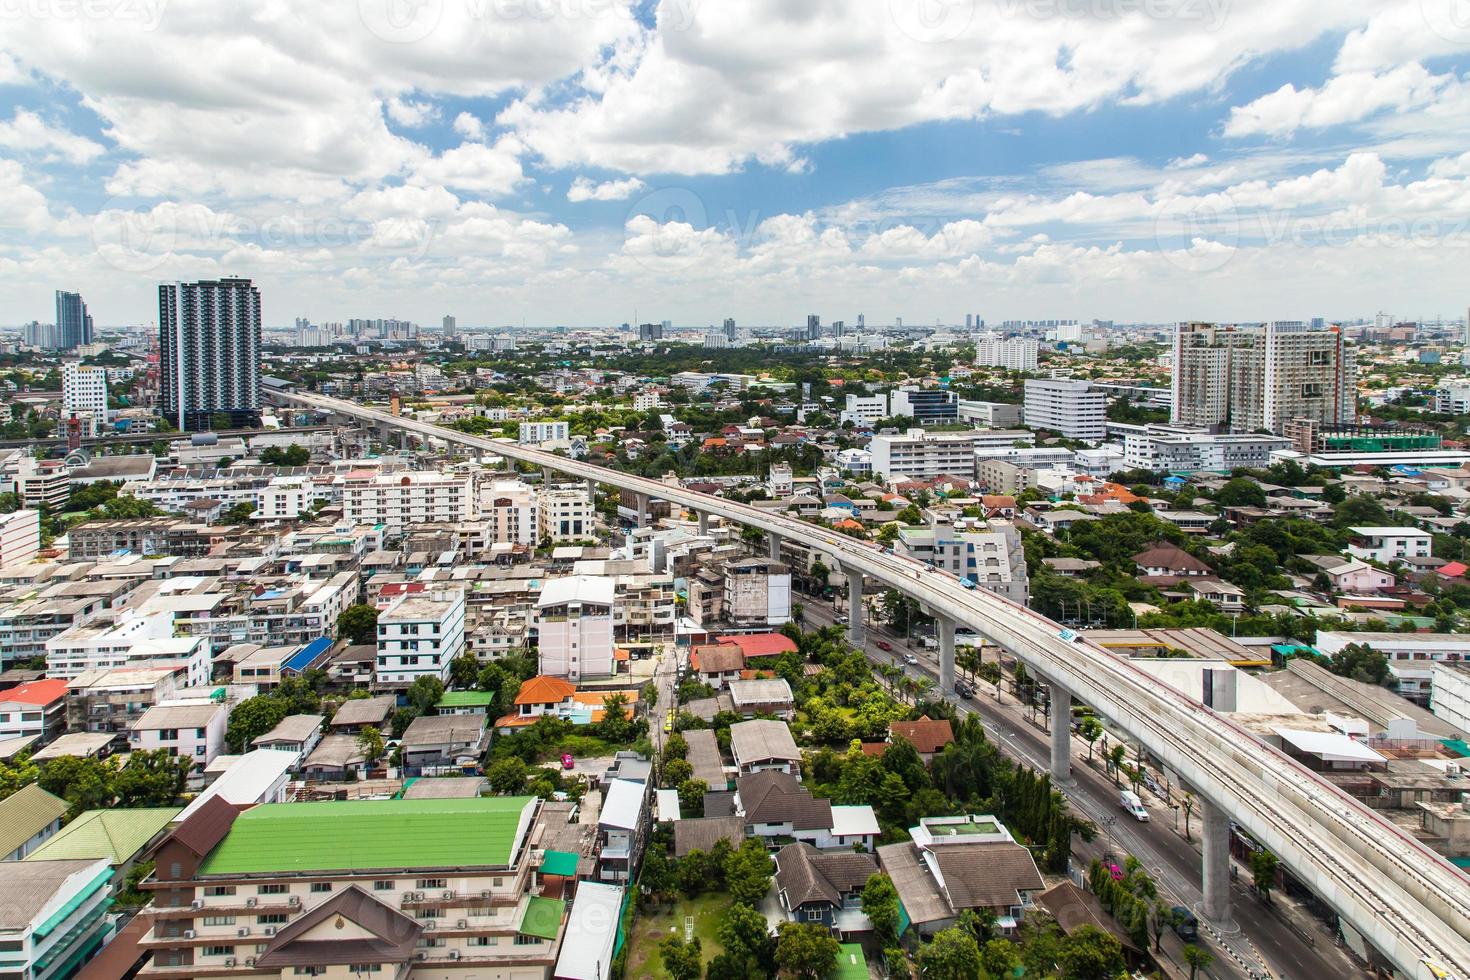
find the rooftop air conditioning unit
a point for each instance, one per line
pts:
(270, 930)
(250, 961)
(420, 956)
(462, 924)
(429, 926)
(243, 932)
(250, 903)
(454, 954)
(486, 893)
(198, 903)
(230, 961)
(293, 901)
(188, 933)
(449, 896)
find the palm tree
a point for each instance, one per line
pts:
(1196, 957)
(922, 687)
(1116, 756)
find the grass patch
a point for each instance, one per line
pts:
(580, 746)
(654, 925)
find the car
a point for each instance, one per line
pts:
(1132, 805)
(840, 620)
(567, 762)
(668, 725)
(963, 689)
(884, 645)
(910, 659)
(1186, 926)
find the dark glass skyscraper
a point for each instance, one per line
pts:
(209, 341)
(73, 322)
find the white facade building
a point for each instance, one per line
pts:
(1069, 407)
(1011, 353)
(757, 592)
(511, 510)
(1189, 449)
(84, 389)
(191, 728)
(1386, 544)
(130, 640)
(400, 500)
(566, 513)
(20, 536)
(918, 454)
(535, 433)
(865, 409)
(419, 635)
(285, 498)
(574, 623)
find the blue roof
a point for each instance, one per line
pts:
(302, 658)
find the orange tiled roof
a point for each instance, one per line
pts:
(544, 690)
(927, 735)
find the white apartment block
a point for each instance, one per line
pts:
(400, 500)
(865, 409)
(574, 623)
(535, 433)
(132, 639)
(285, 498)
(1387, 544)
(84, 389)
(566, 513)
(42, 483)
(1013, 353)
(919, 455)
(1071, 408)
(511, 511)
(1189, 449)
(990, 556)
(646, 400)
(20, 536)
(419, 635)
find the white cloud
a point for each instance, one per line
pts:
(469, 126)
(475, 167)
(585, 189)
(28, 133)
(411, 113)
(1345, 98)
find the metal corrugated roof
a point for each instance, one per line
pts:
(25, 813)
(117, 835)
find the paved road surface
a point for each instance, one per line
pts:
(1266, 944)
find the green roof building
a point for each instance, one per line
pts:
(117, 835)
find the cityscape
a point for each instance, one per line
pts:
(927, 523)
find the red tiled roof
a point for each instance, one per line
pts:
(1453, 569)
(926, 735)
(762, 644)
(36, 692)
(544, 690)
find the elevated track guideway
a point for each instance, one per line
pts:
(1407, 901)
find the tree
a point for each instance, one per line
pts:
(691, 797)
(358, 624)
(151, 779)
(292, 455)
(425, 692)
(1000, 958)
(507, 775)
(1089, 729)
(252, 718)
(464, 670)
(744, 932)
(9, 503)
(1242, 491)
(1116, 755)
(1263, 873)
(1164, 919)
(880, 905)
(677, 772)
(806, 950)
(952, 954)
(683, 961)
(748, 872)
(1089, 953)
(657, 877)
(1197, 957)
(370, 740)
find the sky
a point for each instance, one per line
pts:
(583, 162)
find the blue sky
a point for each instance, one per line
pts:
(564, 161)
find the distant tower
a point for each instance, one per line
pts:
(395, 403)
(73, 434)
(1465, 354)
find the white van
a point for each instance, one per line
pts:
(1130, 802)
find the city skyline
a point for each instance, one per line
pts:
(1236, 161)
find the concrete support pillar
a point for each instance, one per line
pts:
(944, 626)
(774, 541)
(856, 634)
(703, 524)
(592, 491)
(546, 476)
(402, 438)
(1215, 850)
(642, 499)
(1061, 734)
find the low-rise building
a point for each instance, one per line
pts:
(457, 898)
(434, 744)
(296, 735)
(419, 635)
(757, 592)
(1388, 544)
(763, 697)
(824, 886)
(764, 744)
(28, 818)
(574, 624)
(54, 916)
(191, 729)
(35, 710)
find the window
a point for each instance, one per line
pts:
(318, 887)
(483, 941)
(440, 883)
(272, 919)
(218, 951)
(429, 914)
(383, 886)
(813, 915)
(273, 889)
(219, 920)
(1312, 389)
(527, 940)
(216, 891)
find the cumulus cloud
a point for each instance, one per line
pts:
(585, 189)
(27, 132)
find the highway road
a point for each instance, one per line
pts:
(1409, 902)
(1266, 945)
